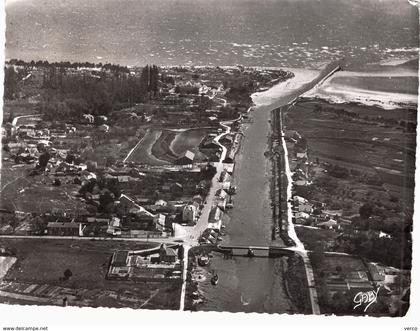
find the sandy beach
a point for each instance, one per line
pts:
(335, 89)
(301, 77)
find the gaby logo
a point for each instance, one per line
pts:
(367, 298)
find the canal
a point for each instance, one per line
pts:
(253, 284)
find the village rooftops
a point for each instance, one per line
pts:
(67, 225)
(187, 158)
(190, 155)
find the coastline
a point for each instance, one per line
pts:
(356, 87)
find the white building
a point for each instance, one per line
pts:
(305, 207)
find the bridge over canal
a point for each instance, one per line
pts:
(257, 251)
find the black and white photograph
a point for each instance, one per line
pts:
(228, 156)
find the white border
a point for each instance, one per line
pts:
(69, 318)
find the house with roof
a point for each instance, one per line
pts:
(215, 215)
(186, 159)
(330, 224)
(377, 272)
(230, 155)
(127, 205)
(302, 155)
(114, 226)
(198, 199)
(167, 254)
(189, 213)
(226, 139)
(65, 229)
(120, 259)
(302, 214)
(297, 200)
(305, 207)
(208, 143)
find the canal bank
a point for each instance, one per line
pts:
(253, 284)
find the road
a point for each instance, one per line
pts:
(16, 119)
(299, 248)
(184, 277)
(194, 233)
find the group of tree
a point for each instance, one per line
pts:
(12, 80)
(108, 191)
(149, 80)
(68, 64)
(70, 96)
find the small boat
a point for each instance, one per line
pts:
(244, 302)
(203, 260)
(214, 279)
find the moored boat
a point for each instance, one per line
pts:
(214, 279)
(203, 260)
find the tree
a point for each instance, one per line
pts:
(39, 225)
(43, 160)
(67, 274)
(106, 198)
(11, 79)
(14, 222)
(366, 211)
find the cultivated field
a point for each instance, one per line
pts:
(35, 194)
(367, 140)
(188, 140)
(44, 262)
(143, 152)
(160, 147)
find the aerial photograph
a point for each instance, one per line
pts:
(209, 155)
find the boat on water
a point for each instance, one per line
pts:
(203, 260)
(214, 279)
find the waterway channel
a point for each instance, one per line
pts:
(254, 284)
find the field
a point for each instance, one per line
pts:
(160, 147)
(18, 108)
(143, 152)
(35, 194)
(366, 140)
(114, 149)
(188, 140)
(44, 261)
(314, 238)
(41, 261)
